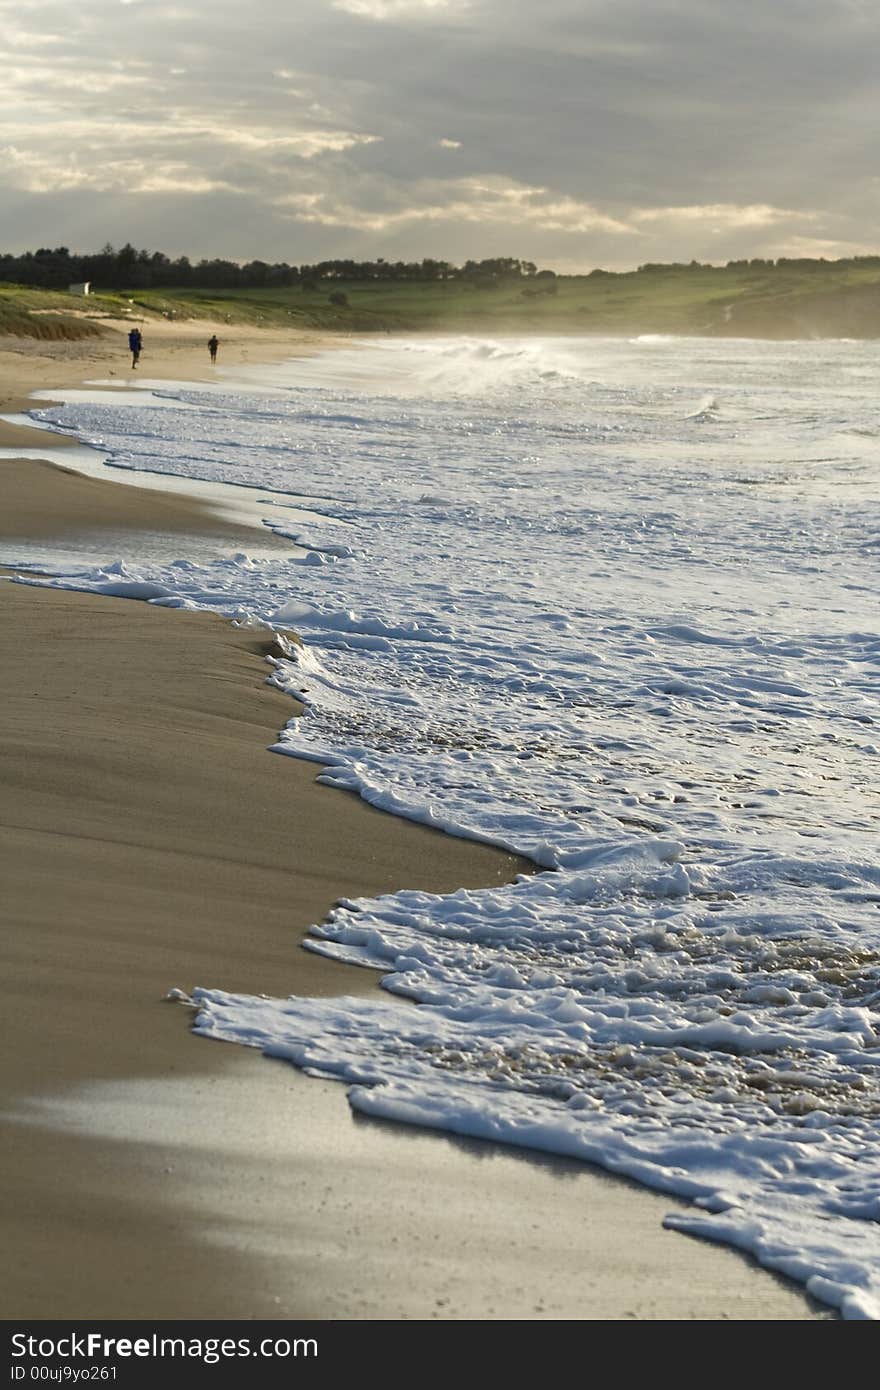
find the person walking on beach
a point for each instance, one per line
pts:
(213, 344)
(135, 344)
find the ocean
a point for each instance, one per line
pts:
(612, 605)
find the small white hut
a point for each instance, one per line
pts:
(83, 288)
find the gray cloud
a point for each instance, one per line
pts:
(576, 133)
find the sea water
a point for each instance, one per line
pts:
(612, 605)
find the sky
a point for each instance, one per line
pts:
(573, 133)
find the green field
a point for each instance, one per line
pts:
(792, 299)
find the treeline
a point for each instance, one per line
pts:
(781, 263)
(130, 269)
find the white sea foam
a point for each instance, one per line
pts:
(613, 606)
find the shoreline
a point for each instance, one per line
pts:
(150, 844)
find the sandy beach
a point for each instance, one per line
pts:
(150, 842)
(173, 350)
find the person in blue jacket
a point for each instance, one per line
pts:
(135, 344)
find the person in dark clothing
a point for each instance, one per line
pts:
(213, 344)
(135, 345)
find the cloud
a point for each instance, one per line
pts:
(584, 132)
(461, 201)
(723, 215)
(381, 10)
(46, 175)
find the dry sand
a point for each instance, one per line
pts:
(172, 351)
(149, 840)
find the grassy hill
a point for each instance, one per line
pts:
(789, 299)
(27, 313)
